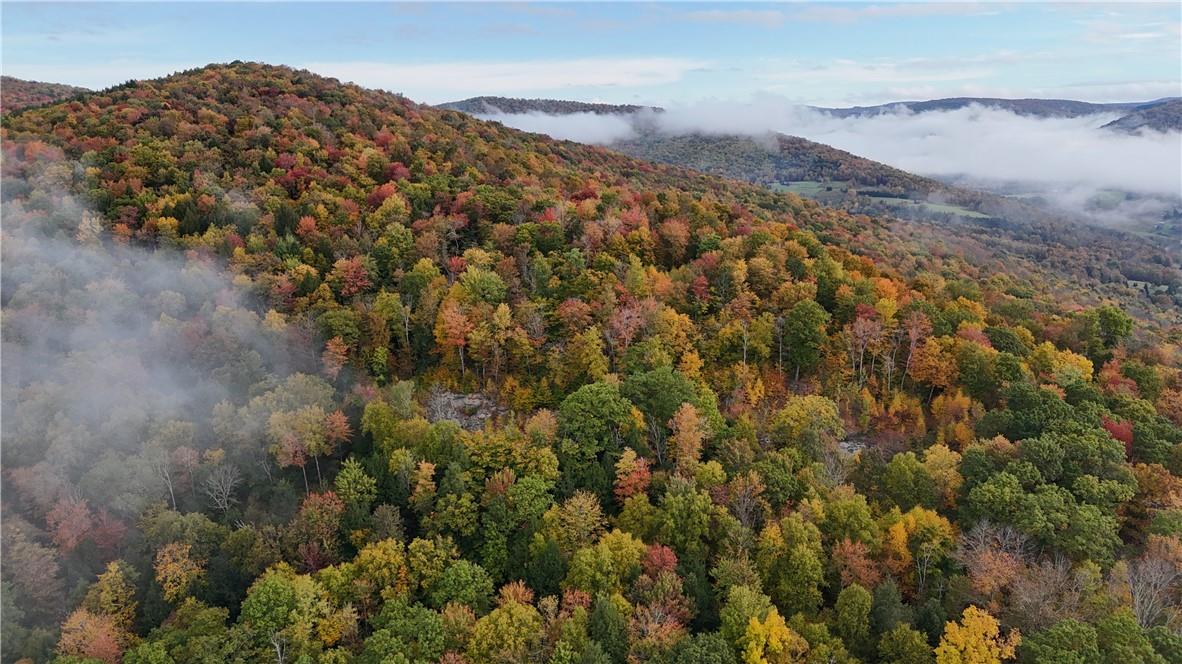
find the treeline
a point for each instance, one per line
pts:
(479, 105)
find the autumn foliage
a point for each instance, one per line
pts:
(423, 386)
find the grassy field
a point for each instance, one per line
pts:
(835, 190)
(812, 189)
(939, 208)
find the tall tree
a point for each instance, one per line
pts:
(804, 335)
(976, 639)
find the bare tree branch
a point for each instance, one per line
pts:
(220, 486)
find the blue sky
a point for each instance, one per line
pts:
(818, 53)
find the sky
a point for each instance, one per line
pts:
(831, 54)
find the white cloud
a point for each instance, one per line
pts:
(443, 81)
(1114, 91)
(856, 12)
(1066, 154)
(761, 17)
(1099, 92)
(582, 127)
(974, 141)
(1106, 30)
(912, 70)
(998, 145)
(91, 36)
(857, 81)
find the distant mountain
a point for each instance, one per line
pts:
(956, 215)
(1045, 108)
(810, 169)
(774, 159)
(835, 177)
(1159, 117)
(485, 105)
(831, 176)
(17, 93)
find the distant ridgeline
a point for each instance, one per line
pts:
(485, 105)
(863, 186)
(1043, 108)
(16, 93)
(1166, 116)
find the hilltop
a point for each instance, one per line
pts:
(876, 188)
(1159, 117)
(1054, 108)
(484, 105)
(16, 93)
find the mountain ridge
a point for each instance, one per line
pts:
(1038, 107)
(319, 93)
(485, 104)
(1033, 106)
(19, 93)
(1158, 117)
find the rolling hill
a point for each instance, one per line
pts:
(862, 186)
(481, 105)
(16, 93)
(1159, 117)
(836, 177)
(840, 179)
(1057, 108)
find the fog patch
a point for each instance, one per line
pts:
(1072, 159)
(117, 354)
(593, 128)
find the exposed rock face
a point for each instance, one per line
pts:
(853, 444)
(470, 411)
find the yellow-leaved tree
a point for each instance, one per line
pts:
(772, 641)
(976, 639)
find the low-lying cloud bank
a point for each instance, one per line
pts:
(116, 357)
(595, 128)
(983, 144)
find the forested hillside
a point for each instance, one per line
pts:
(17, 93)
(1052, 108)
(1043, 108)
(1159, 117)
(1059, 244)
(774, 159)
(477, 105)
(1064, 252)
(706, 422)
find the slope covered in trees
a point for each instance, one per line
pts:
(16, 93)
(1052, 108)
(733, 425)
(955, 214)
(1159, 117)
(478, 105)
(1062, 251)
(775, 159)
(1043, 108)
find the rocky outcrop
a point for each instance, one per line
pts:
(470, 411)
